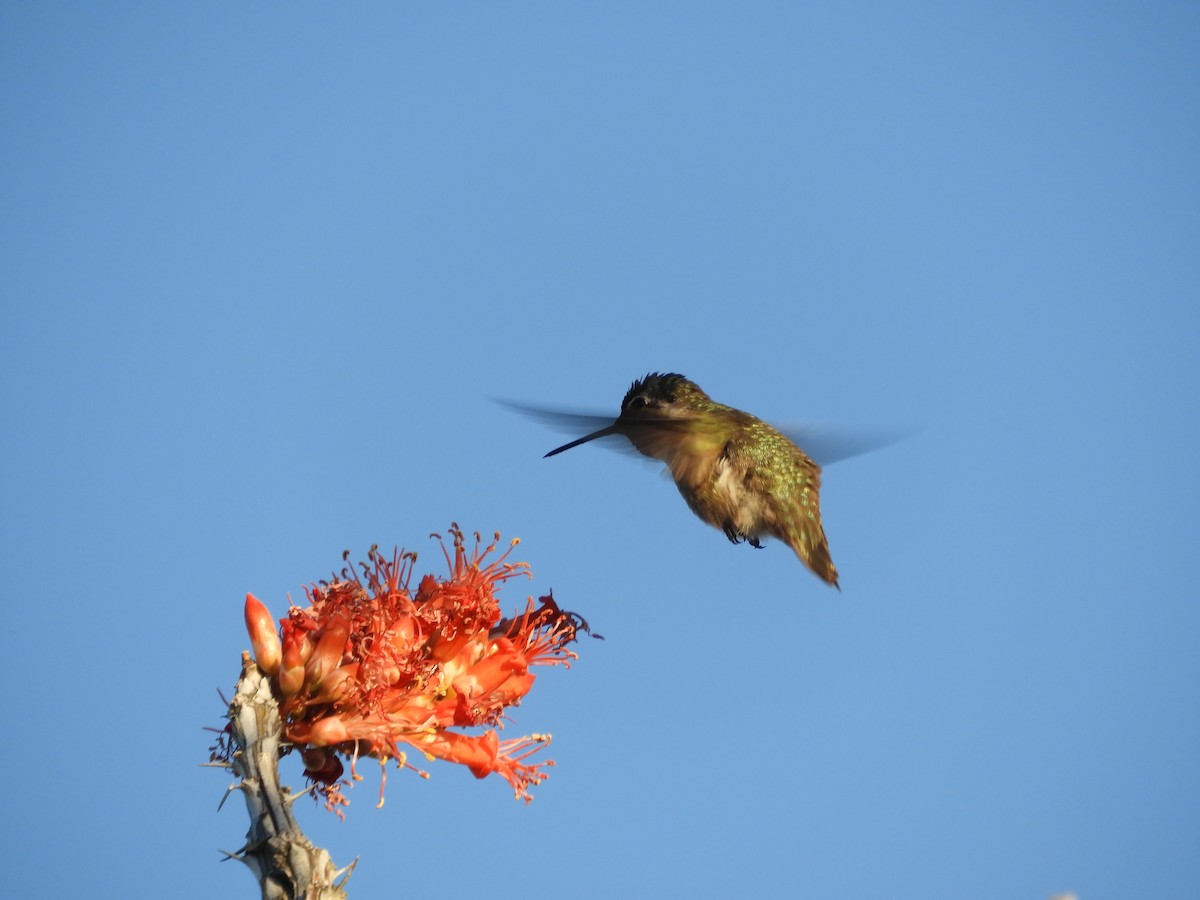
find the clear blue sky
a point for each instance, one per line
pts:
(263, 264)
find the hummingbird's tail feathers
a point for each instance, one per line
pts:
(812, 547)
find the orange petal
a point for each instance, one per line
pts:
(489, 673)
(476, 752)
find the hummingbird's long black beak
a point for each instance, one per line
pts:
(603, 432)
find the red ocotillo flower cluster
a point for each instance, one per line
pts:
(369, 666)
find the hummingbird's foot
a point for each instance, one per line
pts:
(736, 537)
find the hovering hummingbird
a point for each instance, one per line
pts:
(736, 472)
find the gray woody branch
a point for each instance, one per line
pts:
(285, 862)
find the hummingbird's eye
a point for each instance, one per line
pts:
(637, 402)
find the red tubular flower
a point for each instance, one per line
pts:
(492, 671)
(369, 666)
(476, 752)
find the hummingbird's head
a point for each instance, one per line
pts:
(653, 407)
(660, 396)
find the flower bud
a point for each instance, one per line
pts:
(328, 653)
(264, 638)
(328, 731)
(291, 673)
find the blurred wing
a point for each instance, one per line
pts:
(824, 443)
(828, 444)
(578, 424)
(573, 423)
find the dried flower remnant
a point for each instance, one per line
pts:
(369, 666)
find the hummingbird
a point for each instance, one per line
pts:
(736, 472)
